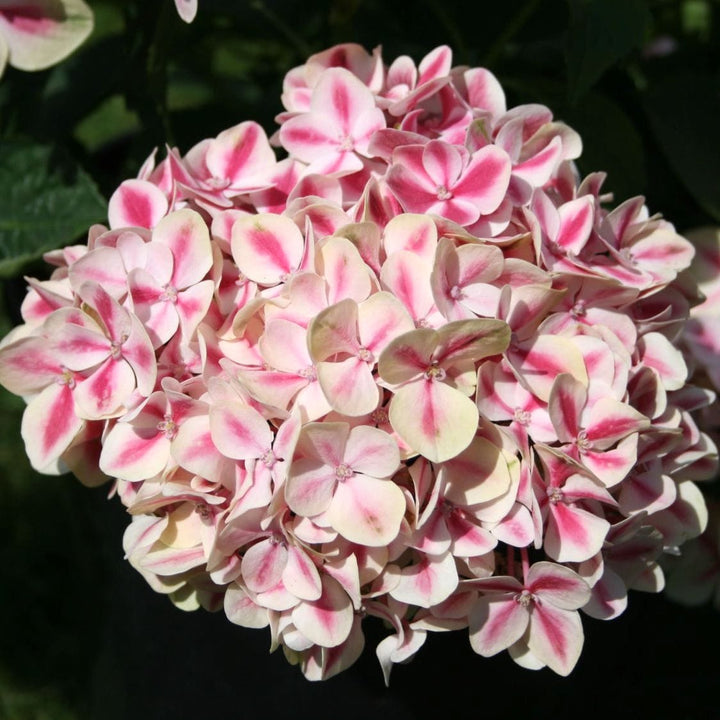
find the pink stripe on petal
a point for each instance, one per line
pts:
(427, 582)
(485, 179)
(263, 564)
(367, 511)
(435, 64)
(136, 203)
(434, 419)
(185, 233)
(267, 248)
(49, 425)
(172, 561)
(566, 403)
(403, 273)
(240, 433)
(558, 585)
(556, 637)
(573, 534)
(372, 451)
(442, 163)
(242, 155)
(496, 623)
(134, 456)
(576, 222)
(328, 620)
(349, 386)
(300, 575)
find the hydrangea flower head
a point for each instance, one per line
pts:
(418, 370)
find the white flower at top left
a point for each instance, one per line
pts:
(35, 34)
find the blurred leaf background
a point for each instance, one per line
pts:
(81, 636)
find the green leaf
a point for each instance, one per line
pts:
(46, 201)
(683, 110)
(600, 33)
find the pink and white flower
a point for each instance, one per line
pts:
(375, 378)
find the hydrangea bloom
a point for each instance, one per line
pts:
(417, 370)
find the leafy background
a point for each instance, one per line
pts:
(81, 636)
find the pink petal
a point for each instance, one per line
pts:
(567, 400)
(407, 356)
(382, 318)
(428, 582)
(240, 432)
(263, 564)
(131, 454)
(185, 233)
(334, 331)
(610, 421)
(328, 620)
(434, 419)
(49, 425)
(137, 203)
(344, 270)
(187, 9)
(555, 637)
(40, 33)
(558, 585)
(372, 451)
(104, 393)
(300, 575)
(243, 156)
(310, 486)
(242, 610)
(478, 474)
(342, 98)
(496, 622)
(573, 534)
(416, 234)
(367, 511)
(267, 248)
(485, 180)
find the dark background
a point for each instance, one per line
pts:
(81, 635)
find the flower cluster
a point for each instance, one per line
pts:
(416, 370)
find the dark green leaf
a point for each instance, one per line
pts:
(683, 112)
(46, 201)
(600, 33)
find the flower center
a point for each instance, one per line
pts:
(521, 416)
(116, 347)
(582, 442)
(435, 372)
(364, 354)
(456, 292)
(169, 294)
(347, 143)
(308, 372)
(524, 598)
(66, 378)
(343, 472)
(268, 458)
(168, 427)
(579, 309)
(443, 193)
(555, 495)
(379, 416)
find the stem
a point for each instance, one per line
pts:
(512, 28)
(525, 564)
(511, 561)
